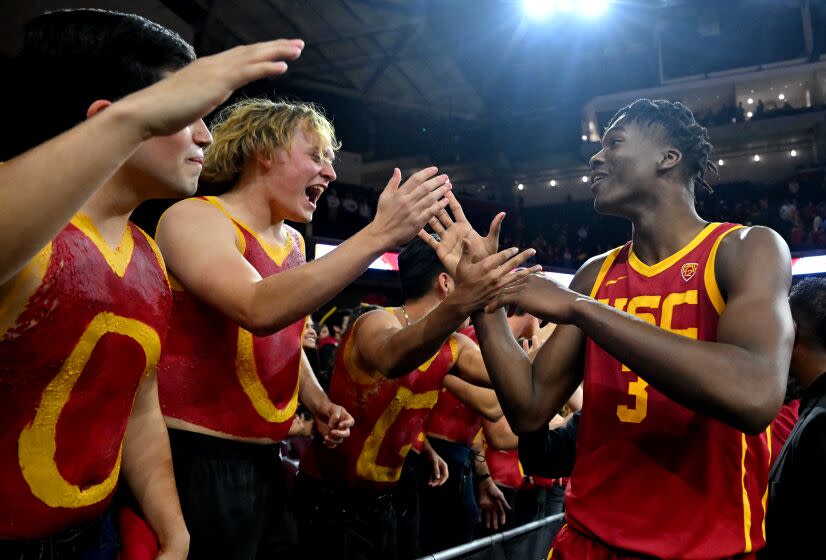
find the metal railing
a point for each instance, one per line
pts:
(492, 540)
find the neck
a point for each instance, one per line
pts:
(812, 368)
(665, 225)
(418, 308)
(248, 201)
(110, 207)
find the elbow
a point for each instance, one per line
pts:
(760, 413)
(492, 413)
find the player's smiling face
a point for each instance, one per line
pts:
(625, 170)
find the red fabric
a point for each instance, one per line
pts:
(325, 341)
(451, 419)
(782, 426)
(198, 378)
(137, 539)
(504, 466)
(670, 484)
(388, 418)
(80, 295)
(573, 545)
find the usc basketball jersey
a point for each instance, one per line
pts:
(80, 326)
(214, 373)
(390, 417)
(651, 476)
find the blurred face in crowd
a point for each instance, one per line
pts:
(310, 337)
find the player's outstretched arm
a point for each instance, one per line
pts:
(198, 244)
(43, 188)
(395, 351)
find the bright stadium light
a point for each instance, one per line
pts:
(552, 183)
(592, 8)
(538, 9)
(721, 162)
(564, 5)
(585, 179)
(520, 186)
(756, 157)
(793, 153)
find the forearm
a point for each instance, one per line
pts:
(719, 379)
(147, 468)
(282, 299)
(37, 204)
(481, 400)
(409, 347)
(509, 368)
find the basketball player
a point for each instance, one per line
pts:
(234, 369)
(84, 295)
(683, 338)
(384, 376)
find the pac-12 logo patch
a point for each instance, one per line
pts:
(688, 271)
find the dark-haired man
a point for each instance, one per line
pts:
(683, 338)
(83, 292)
(389, 372)
(793, 529)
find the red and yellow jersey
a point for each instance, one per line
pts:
(651, 476)
(217, 375)
(390, 417)
(79, 327)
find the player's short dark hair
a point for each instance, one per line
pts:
(682, 130)
(808, 302)
(70, 58)
(419, 266)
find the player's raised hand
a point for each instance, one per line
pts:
(477, 282)
(404, 210)
(453, 230)
(194, 91)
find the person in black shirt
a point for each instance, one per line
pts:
(795, 517)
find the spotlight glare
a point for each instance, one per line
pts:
(756, 157)
(781, 97)
(721, 162)
(552, 183)
(584, 137)
(749, 114)
(585, 179)
(564, 5)
(538, 9)
(520, 186)
(793, 153)
(749, 100)
(592, 8)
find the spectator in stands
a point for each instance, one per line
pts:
(796, 517)
(760, 110)
(740, 113)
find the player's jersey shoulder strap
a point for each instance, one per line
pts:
(610, 257)
(715, 295)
